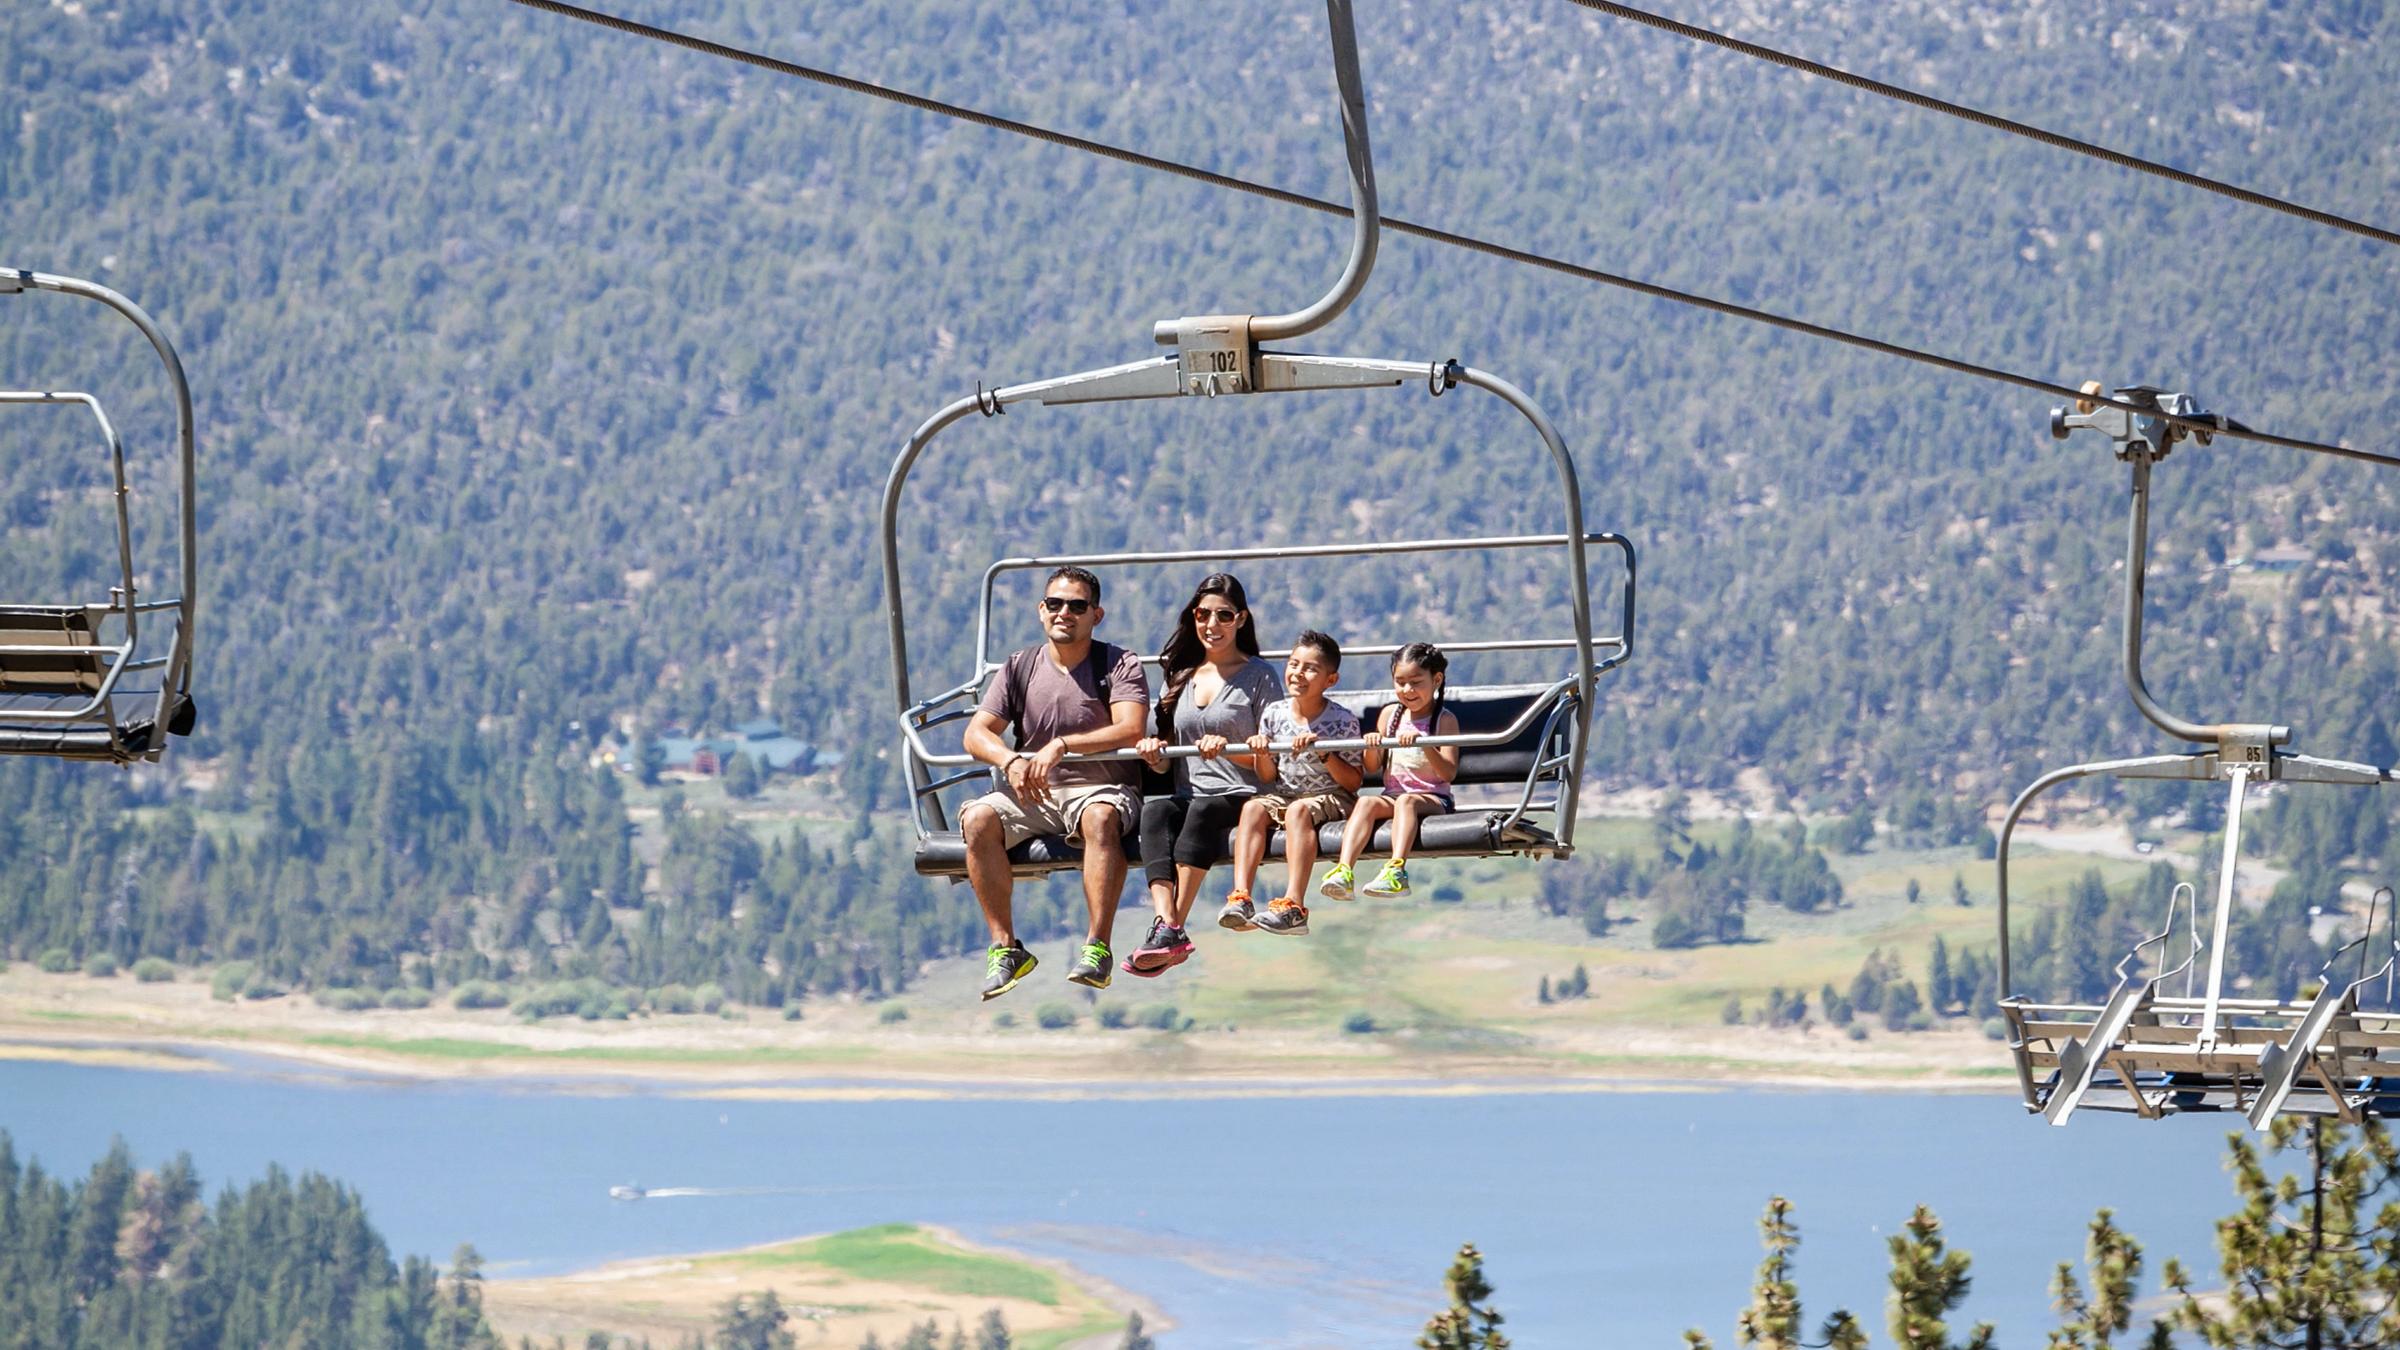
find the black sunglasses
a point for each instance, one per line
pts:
(1217, 615)
(1055, 603)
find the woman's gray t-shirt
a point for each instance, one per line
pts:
(1232, 714)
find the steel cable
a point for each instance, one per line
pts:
(1468, 242)
(1980, 118)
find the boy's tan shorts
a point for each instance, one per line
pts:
(1327, 807)
(1061, 813)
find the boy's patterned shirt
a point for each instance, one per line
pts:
(1303, 774)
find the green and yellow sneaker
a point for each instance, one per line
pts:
(1004, 966)
(1392, 880)
(1338, 882)
(1092, 962)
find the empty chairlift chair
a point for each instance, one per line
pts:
(2151, 1051)
(104, 678)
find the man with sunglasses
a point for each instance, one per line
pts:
(1070, 694)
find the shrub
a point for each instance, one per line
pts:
(588, 999)
(1449, 893)
(1004, 1020)
(57, 960)
(153, 970)
(227, 984)
(1674, 929)
(347, 1000)
(1160, 1017)
(710, 997)
(1114, 1017)
(1858, 1031)
(1731, 1013)
(261, 989)
(1359, 1024)
(1054, 1016)
(406, 998)
(892, 1013)
(792, 1013)
(1994, 1029)
(673, 998)
(480, 994)
(101, 966)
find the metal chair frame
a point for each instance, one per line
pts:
(64, 687)
(1220, 355)
(2216, 1052)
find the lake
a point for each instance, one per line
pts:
(1287, 1222)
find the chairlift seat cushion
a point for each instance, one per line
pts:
(1473, 832)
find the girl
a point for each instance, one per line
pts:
(1416, 783)
(1216, 687)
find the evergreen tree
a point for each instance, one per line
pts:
(1135, 1337)
(753, 1322)
(2113, 1260)
(1470, 1322)
(2312, 1258)
(1773, 1321)
(1929, 1281)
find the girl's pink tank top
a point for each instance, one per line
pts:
(1407, 769)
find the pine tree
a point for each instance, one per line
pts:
(1772, 1321)
(2313, 1257)
(1929, 1281)
(1470, 1322)
(2114, 1261)
(1135, 1337)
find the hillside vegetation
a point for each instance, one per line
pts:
(548, 379)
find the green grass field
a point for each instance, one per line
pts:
(900, 1253)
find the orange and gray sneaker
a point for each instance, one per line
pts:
(1285, 916)
(1237, 914)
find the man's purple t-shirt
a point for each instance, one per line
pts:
(1045, 703)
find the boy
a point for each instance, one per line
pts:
(1310, 787)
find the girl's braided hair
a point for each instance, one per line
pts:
(1428, 658)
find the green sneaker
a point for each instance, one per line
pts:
(1392, 880)
(1004, 966)
(1338, 882)
(1092, 961)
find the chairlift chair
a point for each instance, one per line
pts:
(109, 679)
(2147, 1051)
(1528, 737)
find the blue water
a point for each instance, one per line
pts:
(1606, 1219)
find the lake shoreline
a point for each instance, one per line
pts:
(953, 1078)
(676, 1294)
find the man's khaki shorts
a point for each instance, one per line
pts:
(1326, 807)
(1061, 812)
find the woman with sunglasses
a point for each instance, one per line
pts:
(1216, 688)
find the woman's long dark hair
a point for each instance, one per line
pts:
(1183, 653)
(1428, 658)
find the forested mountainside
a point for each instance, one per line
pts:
(548, 377)
(127, 1258)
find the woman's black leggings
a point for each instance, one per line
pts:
(1190, 830)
